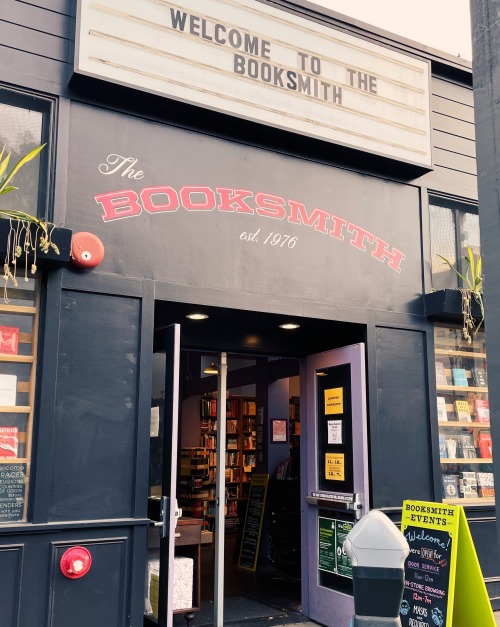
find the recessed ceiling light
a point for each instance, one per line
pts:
(213, 368)
(289, 325)
(197, 316)
(321, 373)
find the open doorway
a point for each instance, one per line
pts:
(262, 439)
(261, 414)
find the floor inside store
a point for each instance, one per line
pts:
(262, 597)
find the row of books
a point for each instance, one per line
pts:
(462, 446)
(462, 410)
(459, 376)
(468, 485)
(209, 408)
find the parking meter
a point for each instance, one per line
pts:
(377, 550)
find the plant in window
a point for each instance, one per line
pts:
(472, 289)
(20, 238)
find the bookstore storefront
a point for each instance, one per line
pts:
(271, 216)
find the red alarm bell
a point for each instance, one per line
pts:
(87, 250)
(75, 562)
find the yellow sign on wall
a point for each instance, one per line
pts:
(335, 466)
(444, 585)
(334, 401)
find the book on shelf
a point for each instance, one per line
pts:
(441, 409)
(232, 443)
(248, 424)
(231, 408)
(485, 484)
(9, 340)
(8, 390)
(249, 408)
(459, 377)
(462, 411)
(232, 458)
(441, 378)
(450, 486)
(9, 441)
(209, 407)
(231, 426)
(467, 485)
(482, 410)
(465, 446)
(485, 445)
(443, 451)
(479, 377)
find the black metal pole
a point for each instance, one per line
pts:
(485, 26)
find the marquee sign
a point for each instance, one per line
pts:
(253, 61)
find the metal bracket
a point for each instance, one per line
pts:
(337, 501)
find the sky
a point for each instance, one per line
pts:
(440, 24)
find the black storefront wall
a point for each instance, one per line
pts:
(187, 209)
(90, 483)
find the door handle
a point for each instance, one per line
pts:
(164, 517)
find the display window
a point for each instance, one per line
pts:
(463, 413)
(18, 352)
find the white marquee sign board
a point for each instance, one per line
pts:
(253, 61)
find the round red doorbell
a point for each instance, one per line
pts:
(75, 562)
(87, 250)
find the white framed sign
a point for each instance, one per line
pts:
(253, 61)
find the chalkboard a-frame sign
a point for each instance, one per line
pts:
(444, 586)
(249, 550)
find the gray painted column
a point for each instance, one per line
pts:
(485, 16)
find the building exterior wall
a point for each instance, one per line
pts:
(92, 440)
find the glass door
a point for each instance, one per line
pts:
(334, 477)
(162, 488)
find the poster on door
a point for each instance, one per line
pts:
(332, 557)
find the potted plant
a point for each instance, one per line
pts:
(25, 234)
(471, 292)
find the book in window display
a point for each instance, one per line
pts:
(450, 486)
(9, 340)
(485, 484)
(485, 446)
(479, 377)
(467, 485)
(482, 410)
(441, 409)
(9, 442)
(441, 378)
(459, 377)
(443, 451)
(8, 390)
(465, 446)
(462, 411)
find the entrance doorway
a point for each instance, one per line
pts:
(212, 471)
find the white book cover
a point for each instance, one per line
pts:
(441, 408)
(8, 390)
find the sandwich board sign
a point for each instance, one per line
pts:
(444, 586)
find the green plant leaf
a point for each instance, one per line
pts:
(28, 157)
(464, 279)
(9, 188)
(4, 163)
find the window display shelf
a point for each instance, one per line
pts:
(465, 447)
(460, 460)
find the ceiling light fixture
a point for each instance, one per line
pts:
(289, 326)
(212, 369)
(197, 316)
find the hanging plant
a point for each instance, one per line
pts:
(472, 289)
(21, 239)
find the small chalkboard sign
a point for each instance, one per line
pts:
(12, 486)
(252, 529)
(444, 585)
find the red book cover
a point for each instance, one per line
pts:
(8, 441)
(213, 408)
(9, 340)
(485, 447)
(482, 409)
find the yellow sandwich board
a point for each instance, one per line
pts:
(444, 585)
